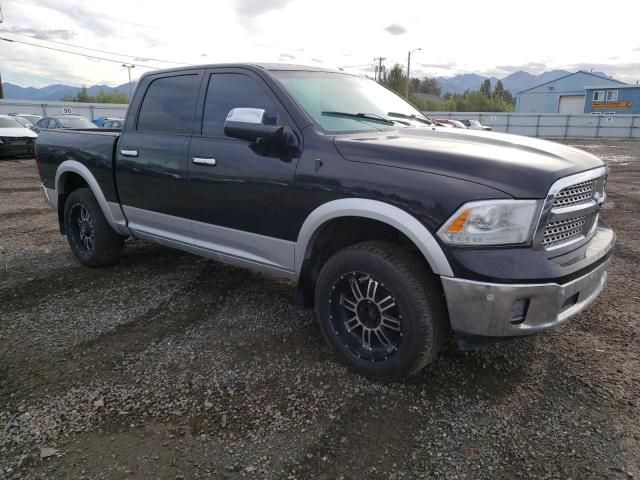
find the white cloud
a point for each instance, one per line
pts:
(334, 31)
(395, 29)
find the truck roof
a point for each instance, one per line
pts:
(264, 66)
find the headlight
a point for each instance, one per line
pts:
(491, 222)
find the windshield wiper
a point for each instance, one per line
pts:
(410, 117)
(361, 116)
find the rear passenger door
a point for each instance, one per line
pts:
(240, 194)
(151, 169)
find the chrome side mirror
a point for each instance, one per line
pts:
(247, 115)
(249, 124)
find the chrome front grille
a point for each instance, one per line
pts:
(575, 194)
(571, 211)
(563, 231)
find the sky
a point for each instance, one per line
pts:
(489, 37)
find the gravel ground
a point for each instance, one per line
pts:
(171, 366)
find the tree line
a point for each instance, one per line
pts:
(102, 97)
(485, 99)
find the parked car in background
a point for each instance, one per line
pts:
(32, 117)
(115, 123)
(449, 122)
(65, 121)
(100, 121)
(15, 139)
(474, 125)
(442, 123)
(24, 122)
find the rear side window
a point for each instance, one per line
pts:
(168, 105)
(227, 91)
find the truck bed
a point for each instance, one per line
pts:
(94, 149)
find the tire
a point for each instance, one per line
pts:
(92, 240)
(380, 338)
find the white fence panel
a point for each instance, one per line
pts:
(89, 110)
(551, 125)
(554, 125)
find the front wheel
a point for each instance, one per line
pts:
(380, 311)
(90, 237)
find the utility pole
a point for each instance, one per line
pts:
(406, 92)
(379, 77)
(129, 67)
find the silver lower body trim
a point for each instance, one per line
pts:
(486, 309)
(257, 252)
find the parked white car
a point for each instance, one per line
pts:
(15, 139)
(475, 125)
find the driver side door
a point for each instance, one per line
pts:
(239, 193)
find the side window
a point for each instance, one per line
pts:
(612, 95)
(168, 105)
(227, 91)
(52, 123)
(598, 96)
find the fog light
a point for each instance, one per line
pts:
(519, 310)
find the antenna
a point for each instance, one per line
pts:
(1, 16)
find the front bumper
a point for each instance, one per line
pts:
(481, 309)
(483, 312)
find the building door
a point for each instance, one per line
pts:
(571, 104)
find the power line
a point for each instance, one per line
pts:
(75, 53)
(85, 12)
(94, 49)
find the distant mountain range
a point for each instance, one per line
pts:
(56, 92)
(515, 82)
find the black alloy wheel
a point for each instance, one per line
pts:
(366, 316)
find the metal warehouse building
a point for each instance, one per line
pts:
(562, 95)
(605, 99)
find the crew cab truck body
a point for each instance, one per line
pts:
(395, 231)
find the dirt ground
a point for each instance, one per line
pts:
(172, 366)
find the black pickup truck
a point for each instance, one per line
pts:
(396, 231)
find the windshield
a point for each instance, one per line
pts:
(75, 122)
(341, 103)
(9, 123)
(24, 122)
(32, 118)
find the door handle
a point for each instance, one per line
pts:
(205, 161)
(129, 153)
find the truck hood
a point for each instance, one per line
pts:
(522, 167)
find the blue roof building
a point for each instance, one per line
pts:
(612, 99)
(562, 95)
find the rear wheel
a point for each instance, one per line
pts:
(92, 240)
(380, 311)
